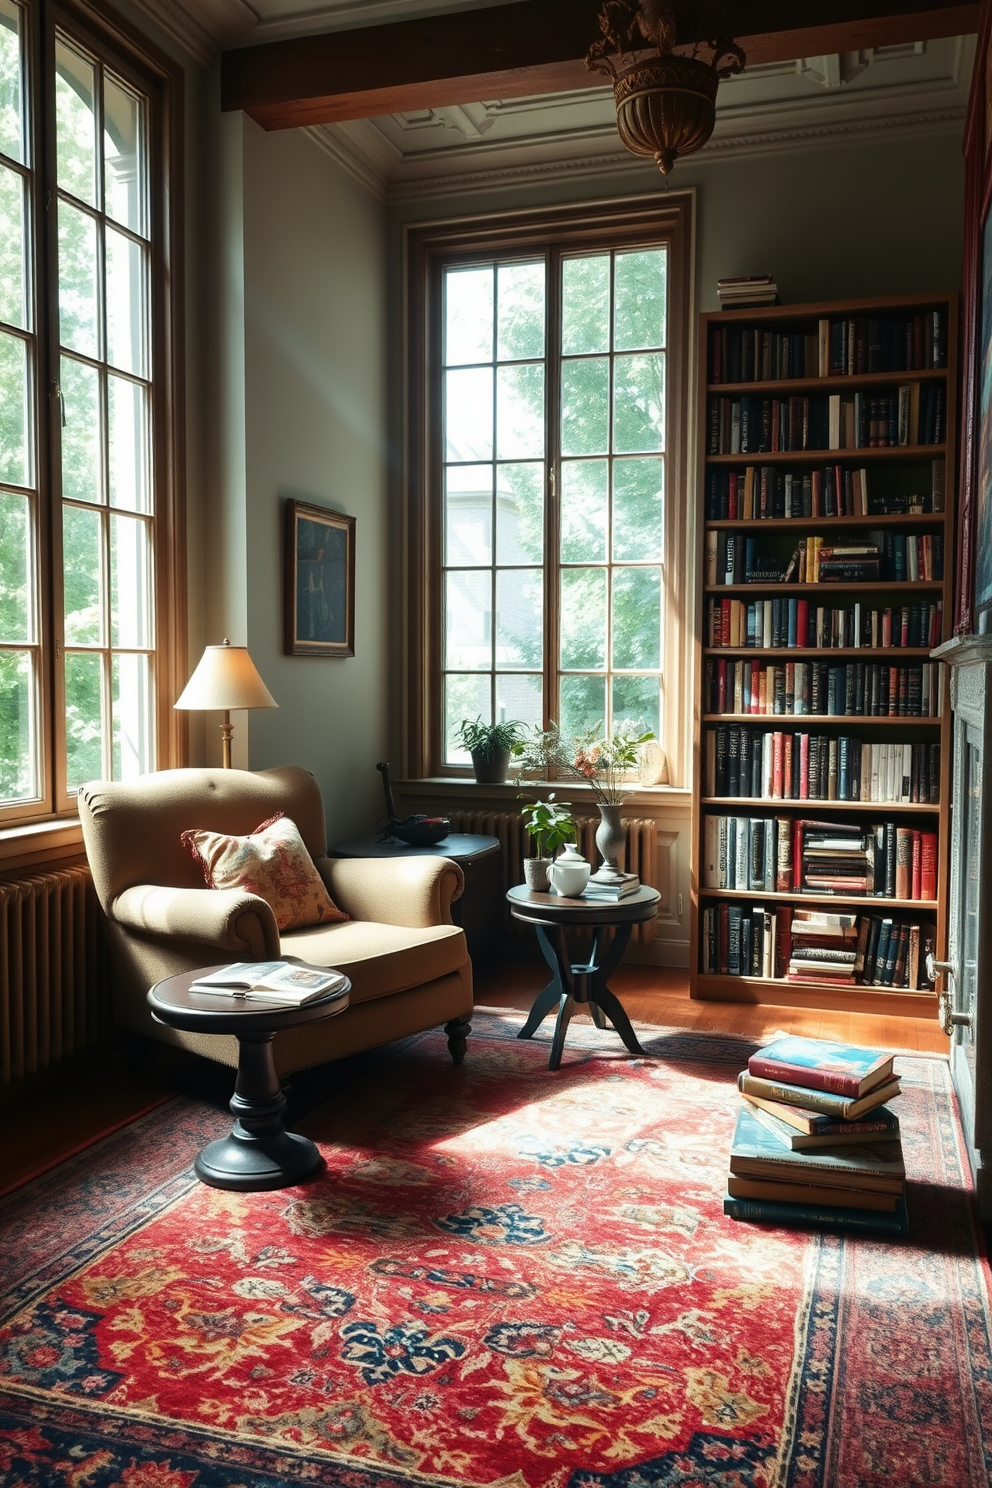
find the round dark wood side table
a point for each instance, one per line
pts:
(258, 1153)
(574, 985)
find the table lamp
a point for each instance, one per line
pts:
(225, 678)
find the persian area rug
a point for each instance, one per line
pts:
(506, 1276)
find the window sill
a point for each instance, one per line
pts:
(458, 788)
(40, 843)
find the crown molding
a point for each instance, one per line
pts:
(368, 161)
(201, 27)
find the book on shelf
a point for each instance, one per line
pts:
(838, 490)
(824, 1102)
(792, 623)
(820, 1064)
(865, 558)
(792, 765)
(270, 981)
(754, 424)
(824, 1216)
(756, 1152)
(815, 688)
(805, 1130)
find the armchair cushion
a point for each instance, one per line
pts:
(271, 862)
(381, 959)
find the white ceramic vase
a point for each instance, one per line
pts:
(569, 873)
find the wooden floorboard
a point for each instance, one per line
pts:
(77, 1104)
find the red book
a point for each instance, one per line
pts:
(725, 622)
(804, 767)
(786, 766)
(886, 627)
(928, 865)
(817, 493)
(797, 854)
(755, 687)
(777, 751)
(783, 946)
(732, 511)
(916, 876)
(802, 622)
(821, 1065)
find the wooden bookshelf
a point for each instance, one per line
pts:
(880, 475)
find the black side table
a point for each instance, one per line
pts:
(575, 984)
(259, 1153)
(478, 909)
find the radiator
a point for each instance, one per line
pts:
(50, 963)
(641, 858)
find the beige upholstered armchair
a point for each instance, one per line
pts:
(407, 962)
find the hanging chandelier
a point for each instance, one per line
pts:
(666, 104)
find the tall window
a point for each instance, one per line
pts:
(554, 404)
(82, 228)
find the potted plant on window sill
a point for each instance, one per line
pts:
(550, 826)
(490, 745)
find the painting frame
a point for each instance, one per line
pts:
(319, 581)
(974, 547)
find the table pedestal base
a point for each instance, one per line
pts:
(579, 986)
(259, 1153)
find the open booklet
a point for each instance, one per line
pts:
(273, 981)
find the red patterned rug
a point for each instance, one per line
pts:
(505, 1277)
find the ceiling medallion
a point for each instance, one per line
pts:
(666, 104)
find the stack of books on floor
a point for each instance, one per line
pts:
(815, 1142)
(745, 290)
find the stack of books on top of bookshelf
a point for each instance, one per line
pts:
(815, 1142)
(747, 289)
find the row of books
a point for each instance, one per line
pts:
(763, 492)
(814, 1141)
(852, 689)
(907, 417)
(778, 943)
(796, 855)
(883, 556)
(792, 623)
(850, 347)
(779, 766)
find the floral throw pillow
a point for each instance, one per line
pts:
(272, 862)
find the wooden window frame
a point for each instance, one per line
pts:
(152, 73)
(428, 249)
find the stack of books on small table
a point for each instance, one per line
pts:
(815, 1142)
(612, 890)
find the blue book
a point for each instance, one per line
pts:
(802, 1129)
(757, 1153)
(821, 1216)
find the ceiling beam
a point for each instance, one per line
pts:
(534, 46)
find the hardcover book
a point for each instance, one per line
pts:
(838, 1106)
(826, 1216)
(839, 1068)
(801, 1129)
(756, 1153)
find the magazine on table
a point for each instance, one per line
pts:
(284, 981)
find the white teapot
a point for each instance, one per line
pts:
(569, 873)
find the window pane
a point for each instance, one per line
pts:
(16, 622)
(82, 576)
(123, 156)
(585, 407)
(519, 618)
(638, 700)
(10, 81)
(584, 510)
(519, 697)
(638, 493)
(75, 123)
(78, 299)
(519, 513)
(81, 477)
(19, 780)
(132, 717)
(15, 448)
(583, 618)
(468, 414)
(469, 619)
(468, 509)
(641, 298)
(468, 319)
(520, 312)
(465, 698)
(130, 582)
(639, 403)
(520, 412)
(585, 307)
(636, 617)
(13, 307)
(127, 300)
(128, 452)
(83, 710)
(583, 705)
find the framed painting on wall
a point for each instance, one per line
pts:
(974, 612)
(320, 581)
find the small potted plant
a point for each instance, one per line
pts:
(490, 745)
(550, 826)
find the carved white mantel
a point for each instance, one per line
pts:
(968, 974)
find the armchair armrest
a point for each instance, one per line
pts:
(414, 892)
(230, 919)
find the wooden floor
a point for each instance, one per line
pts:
(78, 1104)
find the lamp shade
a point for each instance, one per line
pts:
(225, 678)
